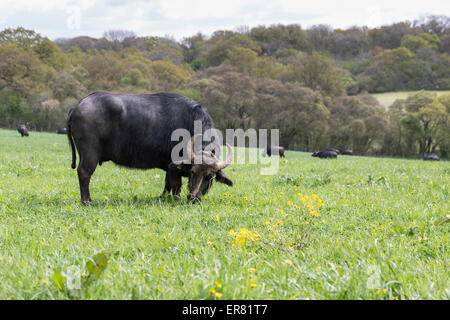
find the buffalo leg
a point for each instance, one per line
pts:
(173, 183)
(167, 186)
(176, 183)
(85, 171)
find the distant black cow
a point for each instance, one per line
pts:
(346, 152)
(325, 154)
(274, 150)
(61, 131)
(23, 130)
(431, 157)
(332, 150)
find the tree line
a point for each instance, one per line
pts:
(313, 84)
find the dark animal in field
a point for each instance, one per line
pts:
(23, 130)
(346, 152)
(274, 150)
(325, 154)
(61, 131)
(332, 150)
(135, 131)
(431, 157)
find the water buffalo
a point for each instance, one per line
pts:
(332, 150)
(431, 157)
(23, 130)
(274, 150)
(61, 131)
(135, 131)
(346, 152)
(325, 154)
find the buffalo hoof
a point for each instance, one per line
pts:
(193, 199)
(165, 194)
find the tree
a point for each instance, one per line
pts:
(165, 53)
(390, 70)
(243, 59)
(135, 78)
(443, 72)
(21, 37)
(192, 47)
(22, 72)
(219, 50)
(389, 37)
(349, 43)
(433, 118)
(105, 71)
(118, 35)
(414, 43)
(317, 72)
(229, 97)
(65, 85)
(276, 37)
(169, 76)
(319, 37)
(424, 122)
(356, 122)
(434, 24)
(51, 54)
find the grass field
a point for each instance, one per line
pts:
(361, 228)
(388, 98)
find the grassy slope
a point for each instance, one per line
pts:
(387, 98)
(377, 231)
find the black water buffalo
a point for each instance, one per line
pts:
(332, 150)
(325, 154)
(61, 131)
(23, 130)
(135, 131)
(431, 157)
(274, 150)
(346, 152)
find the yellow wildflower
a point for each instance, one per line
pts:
(244, 236)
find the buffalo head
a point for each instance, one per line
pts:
(205, 167)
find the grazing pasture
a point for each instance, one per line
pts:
(388, 98)
(351, 228)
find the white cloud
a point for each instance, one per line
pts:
(55, 18)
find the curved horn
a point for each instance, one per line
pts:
(223, 164)
(190, 146)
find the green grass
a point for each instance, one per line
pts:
(387, 98)
(380, 235)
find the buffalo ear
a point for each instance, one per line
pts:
(221, 177)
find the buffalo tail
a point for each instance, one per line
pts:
(69, 136)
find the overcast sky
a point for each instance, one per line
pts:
(181, 18)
